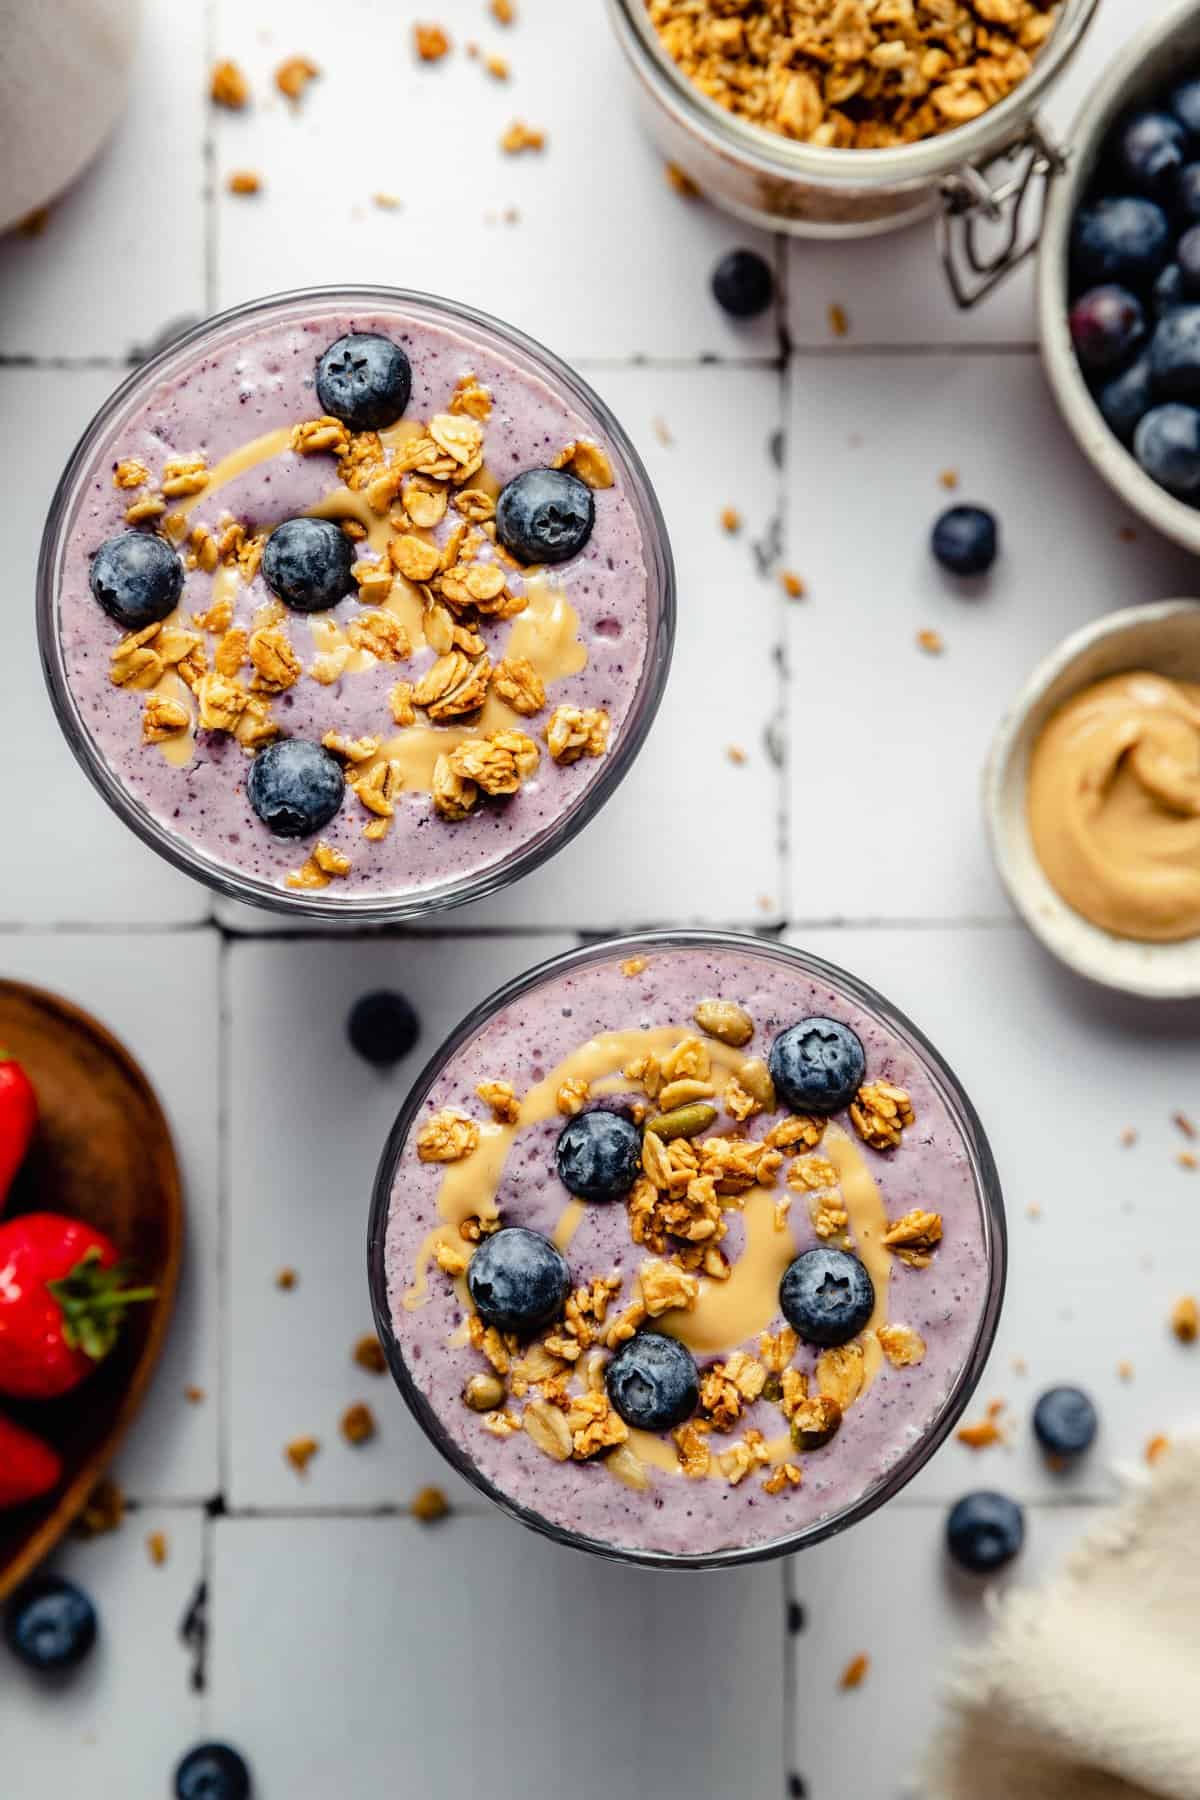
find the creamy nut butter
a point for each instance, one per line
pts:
(1114, 805)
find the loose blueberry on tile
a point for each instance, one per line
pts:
(383, 1027)
(1168, 289)
(817, 1065)
(1175, 355)
(137, 578)
(965, 540)
(1150, 148)
(212, 1772)
(1065, 1422)
(599, 1155)
(743, 285)
(295, 787)
(1184, 102)
(827, 1296)
(1127, 398)
(1122, 238)
(1107, 326)
(652, 1382)
(307, 562)
(1167, 445)
(518, 1280)
(365, 380)
(984, 1531)
(545, 515)
(50, 1624)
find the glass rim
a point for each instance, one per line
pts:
(988, 1192)
(773, 154)
(320, 906)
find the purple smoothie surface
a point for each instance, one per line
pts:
(233, 393)
(931, 1170)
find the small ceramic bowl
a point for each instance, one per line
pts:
(1164, 638)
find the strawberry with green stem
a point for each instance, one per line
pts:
(63, 1303)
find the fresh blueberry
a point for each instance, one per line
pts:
(1175, 355)
(364, 380)
(984, 1531)
(652, 1382)
(137, 578)
(1184, 102)
(518, 1280)
(965, 539)
(1168, 289)
(1150, 150)
(827, 1296)
(1187, 258)
(743, 284)
(50, 1624)
(1126, 398)
(1107, 326)
(599, 1155)
(817, 1066)
(1121, 238)
(545, 515)
(1187, 194)
(383, 1027)
(1167, 445)
(295, 787)
(1065, 1422)
(212, 1772)
(307, 562)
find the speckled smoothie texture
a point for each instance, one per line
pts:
(932, 1170)
(236, 392)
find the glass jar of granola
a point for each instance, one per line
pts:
(872, 126)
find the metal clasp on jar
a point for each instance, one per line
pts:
(991, 221)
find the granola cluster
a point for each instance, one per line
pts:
(855, 74)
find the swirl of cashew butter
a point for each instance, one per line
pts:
(1114, 805)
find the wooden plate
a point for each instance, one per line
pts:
(103, 1153)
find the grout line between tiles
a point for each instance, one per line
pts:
(224, 1215)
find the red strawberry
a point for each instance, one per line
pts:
(18, 1118)
(28, 1468)
(61, 1304)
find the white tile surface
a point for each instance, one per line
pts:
(159, 995)
(471, 1658)
(902, 735)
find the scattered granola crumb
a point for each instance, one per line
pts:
(228, 86)
(368, 1354)
(1185, 1319)
(430, 42)
(839, 320)
(1124, 1371)
(103, 1511)
(680, 181)
(1157, 1448)
(855, 1671)
(300, 1452)
(949, 479)
(156, 1546)
(981, 1435)
(520, 137)
(34, 223)
(791, 584)
(286, 1280)
(735, 754)
(244, 181)
(195, 1396)
(1187, 1160)
(731, 519)
(503, 11)
(1128, 1137)
(387, 202)
(662, 431)
(294, 75)
(496, 67)
(358, 1423)
(1020, 1366)
(931, 642)
(1181, 1121)
(429, 1505)
(1033, 1210)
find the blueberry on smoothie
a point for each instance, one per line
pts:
(984, 1531)
(383, 1027)
(1107, 326)
(295, 787)
(652, 1382)
(307, 563)
(599, 1155)
(1126, 399)
(50, 1624)
(1168, 289)
(137, 578)
(365, 380)
(743, 285)
(1167, 445)
(827, 1296)
(817, 1065)
(212, 1772)
(1065, 1422)
(518, 1280)
(1122, 238)
(1150, 149)
(965, 540)
(545, 515)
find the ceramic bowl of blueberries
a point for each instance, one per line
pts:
(1163, 638)
(1119, 277)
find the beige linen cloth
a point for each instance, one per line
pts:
(1089, 1687)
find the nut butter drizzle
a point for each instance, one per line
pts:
(727, 1313)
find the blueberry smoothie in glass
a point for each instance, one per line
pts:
(355, 602)
(687, 1249)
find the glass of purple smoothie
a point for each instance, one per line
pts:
(355, 603)
(687, 1249)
